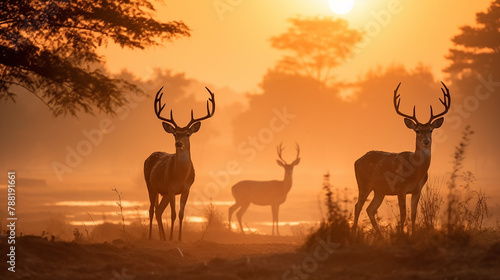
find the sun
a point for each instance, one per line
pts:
(341, 7)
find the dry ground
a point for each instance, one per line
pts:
(253, 257)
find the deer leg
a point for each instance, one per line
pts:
(184, 197)
(371, 210)
(159, 211)
(357, 209)
(231, 211)
(402, 210)
(153, 202)
(172, 216)
(240, 213)
(414, 204)
(275, 212)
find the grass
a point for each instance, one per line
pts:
(430, 203)
(214, 221)
(336, 223)
(120, 205)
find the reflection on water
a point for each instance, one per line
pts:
(91, 213)
(125, 203)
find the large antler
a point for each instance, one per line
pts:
(209, 114)
(159, 107)
(279, 149)
(446, 102)
(397, 101)
(298, 151)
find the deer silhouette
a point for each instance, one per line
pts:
(264, 192)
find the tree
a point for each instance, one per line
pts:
(317, 45)
(477, 48)
(49, 47)
(475, 74)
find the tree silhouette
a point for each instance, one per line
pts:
(478, 48)
(317, 44)
(475, 76)
(49, 47)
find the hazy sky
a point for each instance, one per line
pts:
(231, 47)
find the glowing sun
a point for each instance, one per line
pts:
(341, 7)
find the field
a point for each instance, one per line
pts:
(252, 257)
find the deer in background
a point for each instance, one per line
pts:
(264, 192)
(398, 173)
(169, 175)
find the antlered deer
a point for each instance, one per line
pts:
(264, 192)
(398, 173)
(169, 175)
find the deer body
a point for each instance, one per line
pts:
(263, 193)
(169, 175)
(401, 163)
(252, 191)
(398, 173)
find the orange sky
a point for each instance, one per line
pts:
(232, 48)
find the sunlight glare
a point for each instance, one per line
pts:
(341, 7)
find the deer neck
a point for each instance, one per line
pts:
(182, 162)
(287, 181)
(421, 158)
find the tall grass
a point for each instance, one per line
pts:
(120, 205)
(466, 207)
(214, 220)
(335, 224)
(430, 203)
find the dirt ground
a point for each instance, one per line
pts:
(250, 257)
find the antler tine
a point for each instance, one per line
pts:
(446, 101)
(159, 108)
(211, 99)
(397, 102)
(279, 149)
(297, 147)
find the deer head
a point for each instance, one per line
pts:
(424, 131)
(282, 162)
(182, 134)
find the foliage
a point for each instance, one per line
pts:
(430, 204)
(49, 47)
(120, 205)
(474, 207)
(478, 47)
(214, 220)
(467, 208)
(336, 225)
(453, 217)
(77, 235)
(317, 45)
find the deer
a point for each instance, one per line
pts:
(264, 192)
(398, 174)
(169, 175)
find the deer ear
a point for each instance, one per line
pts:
(280, 163)
(295, 162)
(410, 124)
(195, 127)
(437, 123)
(168, 127)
